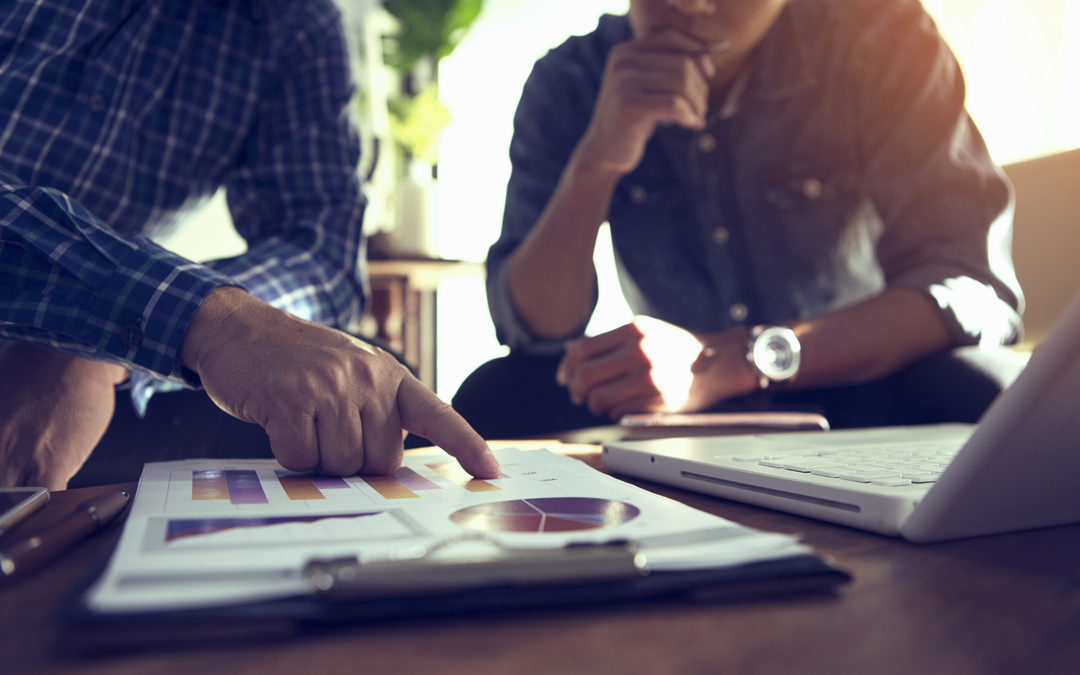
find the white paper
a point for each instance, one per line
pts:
(211, 532)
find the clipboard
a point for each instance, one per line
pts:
(347, 593)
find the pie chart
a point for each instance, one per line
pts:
(545, 515)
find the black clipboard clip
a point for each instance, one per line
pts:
(471, 561)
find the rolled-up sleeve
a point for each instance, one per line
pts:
(946, 206)
(548, 124)
(71, 284)
(295, 196)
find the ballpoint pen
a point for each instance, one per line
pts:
(36, 551)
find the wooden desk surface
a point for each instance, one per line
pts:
(1002, 604)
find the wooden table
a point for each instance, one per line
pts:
(1002, 604)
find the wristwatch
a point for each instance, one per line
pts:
(773, 353)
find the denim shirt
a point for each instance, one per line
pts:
(841, 163)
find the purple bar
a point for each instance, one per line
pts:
(413, 480)
(328, 482)
(244, 487)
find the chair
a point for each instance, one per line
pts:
(1046, 237)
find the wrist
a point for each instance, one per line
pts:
(723, 363)
(590, 170)
(213, 324)
(774, 354)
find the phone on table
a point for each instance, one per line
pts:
(662, 425)
(17, 503)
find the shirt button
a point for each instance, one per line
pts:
(721, 235)
(131, 335)
(638, 194)
(706, 143)
(738, 311)
(812, 188)
(96, 102)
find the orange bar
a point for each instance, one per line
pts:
(389, 488)
(477, 485)
(209, 485)
(452, 471)
(300, 488)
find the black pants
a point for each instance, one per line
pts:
(517, 396)
(178, 425)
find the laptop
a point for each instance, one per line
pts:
(1017, 469)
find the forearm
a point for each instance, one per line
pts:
(869, 340)
(866, 341)
(551, 274)
(70, 284)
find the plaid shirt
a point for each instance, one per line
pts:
(116, 115)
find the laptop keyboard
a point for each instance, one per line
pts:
(887, 466)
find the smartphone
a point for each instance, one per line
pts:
(661, 425)
(17, 503)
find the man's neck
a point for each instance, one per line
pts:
(726, 76)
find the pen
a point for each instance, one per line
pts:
(36, 551)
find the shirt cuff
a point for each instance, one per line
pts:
(143, 310)
(511, 329)
(972, 310)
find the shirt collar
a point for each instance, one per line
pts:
(779, 67)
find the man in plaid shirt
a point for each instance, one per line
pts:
(115, 115)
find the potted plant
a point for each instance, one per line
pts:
(426, 32)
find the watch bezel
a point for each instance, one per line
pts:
(758, 348)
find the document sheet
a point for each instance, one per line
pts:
(205, 533)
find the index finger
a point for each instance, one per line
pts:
(425, 414)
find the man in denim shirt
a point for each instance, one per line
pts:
(764, 165)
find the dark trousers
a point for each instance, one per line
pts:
(178, 425)
(516, 396)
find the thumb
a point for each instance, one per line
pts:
(425, 414)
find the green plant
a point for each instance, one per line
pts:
(429, 29)
(416, 123)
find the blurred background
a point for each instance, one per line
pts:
(440, 126)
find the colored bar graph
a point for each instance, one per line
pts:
(195, 527)
(244, 487)
(389, 487)
(238, 486)
(413, 480)
(208, 485)
(299, 488)
(329, 482)
(306, 487)
(453, 472)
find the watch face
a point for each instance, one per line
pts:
(776, 353)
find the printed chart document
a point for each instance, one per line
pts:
(204, 533)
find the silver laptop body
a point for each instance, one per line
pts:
(1019, 468)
